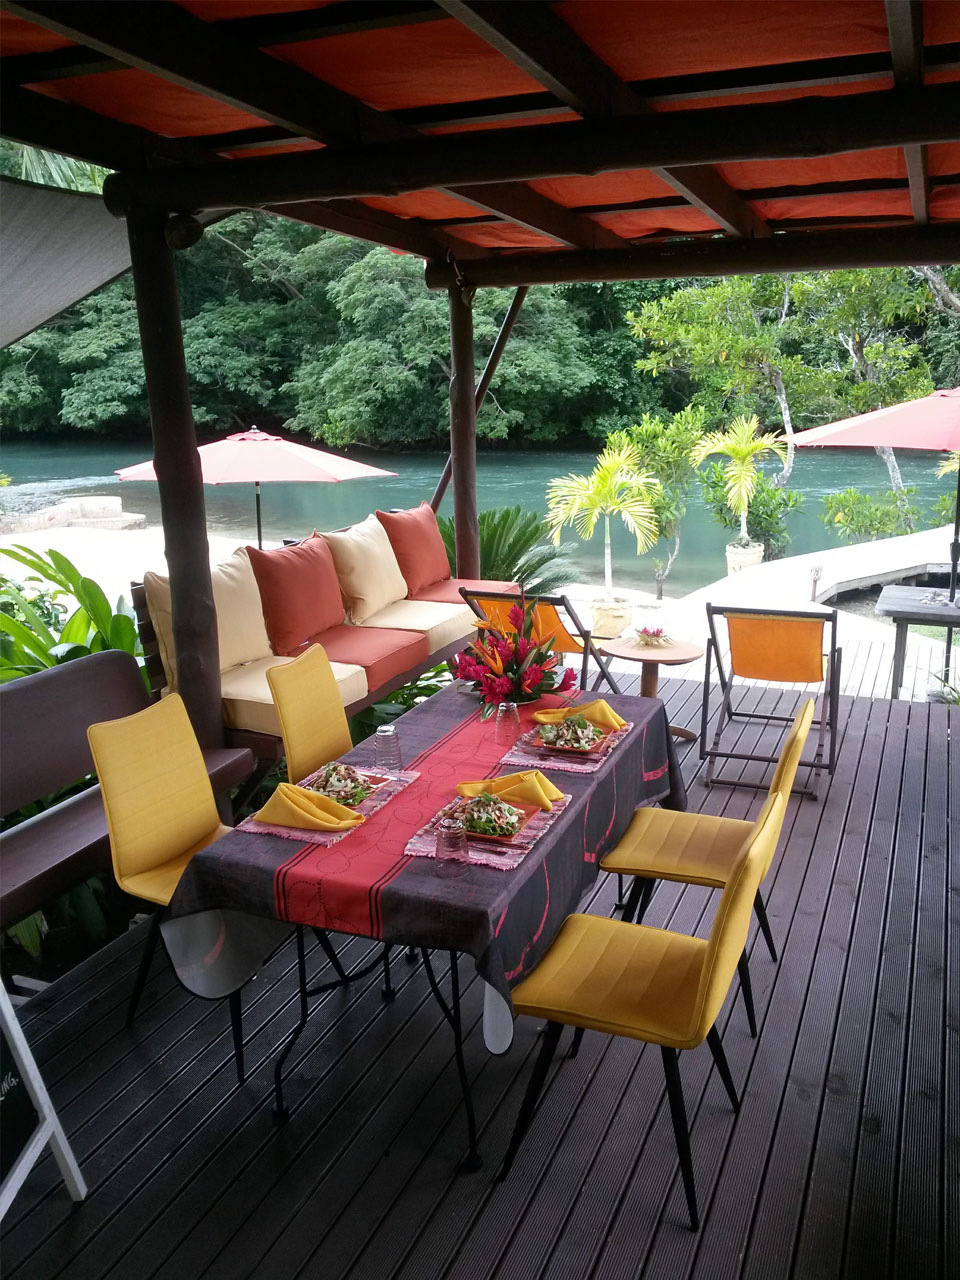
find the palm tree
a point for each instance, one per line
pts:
(744, 449)
(615, 487)
(951, 463)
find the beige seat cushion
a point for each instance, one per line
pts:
(367, 569)
(241, 630)
(442, 624)
(248, 704)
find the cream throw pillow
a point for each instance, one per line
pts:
(241, 631)
(367, 569)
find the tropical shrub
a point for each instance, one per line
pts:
(513, 549)
(766, 517)
(617, 486)
(859, 518)
(744, 447)
(33, 632)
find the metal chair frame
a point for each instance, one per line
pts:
(827, 719)
(590, 650)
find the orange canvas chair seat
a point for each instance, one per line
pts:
(779, 646)
(494, 607)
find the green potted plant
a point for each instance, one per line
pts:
(617, 486)
(743, 448)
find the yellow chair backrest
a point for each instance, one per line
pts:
(310, 709)
(789, 761)
(547, 622)
(156, 792)
(729, 933)
(769, 647)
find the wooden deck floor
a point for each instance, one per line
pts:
(844, 1161)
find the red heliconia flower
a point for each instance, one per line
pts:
(568, 680)
(532, 677)
(523, 648)
(515, 617)
(505, 648)
(502, 686)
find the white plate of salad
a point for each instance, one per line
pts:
(576, 733)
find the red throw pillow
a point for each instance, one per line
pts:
(418, 546)
(299, 592)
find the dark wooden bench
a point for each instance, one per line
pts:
(43, 739)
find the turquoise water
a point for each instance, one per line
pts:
(45, 471)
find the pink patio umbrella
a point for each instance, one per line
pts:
(250, 457)
(932, 422)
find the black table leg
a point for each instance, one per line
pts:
(473, 1160)
(899, 659)
(280, 1112)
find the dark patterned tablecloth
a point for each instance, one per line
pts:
(366, 885)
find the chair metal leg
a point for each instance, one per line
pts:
(743, 969)
(236, 1020)
(765, 929)
(551, 1038)
(720, 1058)
(280, 1112)
(149, 946)
(575, 1043)
(329, 951)
(619, 904)
(678, 1115)
(473, 1160)
(412, 955)
(638, 899)
(387, 994)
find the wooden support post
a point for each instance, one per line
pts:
(490, 368)
(463, 433)
(179, 478)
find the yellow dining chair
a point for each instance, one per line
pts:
(786, 646)
(160, 811)
(700, 848)
(315, 731)
(647, 984)
(310, 710)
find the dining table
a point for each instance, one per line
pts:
(238, 898)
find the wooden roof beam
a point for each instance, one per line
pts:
(351, 218)
(544, 46)
(905, 27)
(812, 127)
(167, 41)
(907, 246)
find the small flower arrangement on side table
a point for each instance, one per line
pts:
(512, 666)
(652, 637)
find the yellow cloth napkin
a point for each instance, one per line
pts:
(599, 713)
(529, 787)
(298, 807)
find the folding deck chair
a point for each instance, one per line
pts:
(781, 645)
(494, 606)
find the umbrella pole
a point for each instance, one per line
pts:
(954, 558)
(259, 525)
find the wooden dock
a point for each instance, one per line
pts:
(844, 1161)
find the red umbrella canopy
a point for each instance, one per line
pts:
(255, 455)
(933, 422)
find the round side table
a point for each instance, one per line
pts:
(650, 657)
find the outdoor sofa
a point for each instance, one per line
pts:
(378, 596)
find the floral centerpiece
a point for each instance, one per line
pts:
(512, 665)
(652, 637)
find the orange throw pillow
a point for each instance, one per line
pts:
(299, 592)
(418, 546)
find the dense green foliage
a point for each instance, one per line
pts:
(287, 325)
(513, 549)
(861, 517)
(35, 631)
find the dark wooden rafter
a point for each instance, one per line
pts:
(165, 40)
(352, 218)
(673, 259)
(905, 27)
(811, 127)
(544, 46)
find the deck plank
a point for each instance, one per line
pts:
(859, 1040)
